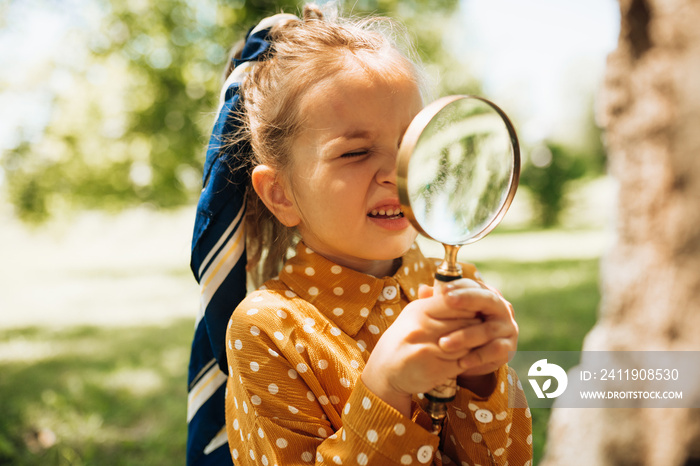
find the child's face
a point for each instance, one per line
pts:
(344, 168)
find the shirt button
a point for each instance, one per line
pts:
(389, 292)
(425, 454)
(483, 415)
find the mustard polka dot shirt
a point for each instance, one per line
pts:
(296, 349)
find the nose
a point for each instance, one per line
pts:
(386, 172)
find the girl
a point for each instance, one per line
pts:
(326, 358)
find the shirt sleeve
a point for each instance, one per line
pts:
(482, 430)
(277, 413)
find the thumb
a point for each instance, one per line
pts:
(425, 291)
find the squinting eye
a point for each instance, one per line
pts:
(357, 153)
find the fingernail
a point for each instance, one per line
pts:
(444, 342)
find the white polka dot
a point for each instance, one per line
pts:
(309, 329)
(234, 454)
(292, 374)
(238, 344)
(337, 460)
(307, 456)
(323, 399)
(255, 331)
(460, 414)
(501, 416)
(406, 459)
(520, 386)
(362, 459)
(230, 371)
(313, 291)
(338, 291)
(366, 403)
(476, 437)
(335, 331)
(335, 400)
(527, 412)
(373, 329)
(347, 408)
(281, 314)
(252, 312)
(288, 268)
(510, 440)
(309, 271)
(406, 270)
(336, 269)
(310, 395)
(299, 347)
(230, 323)
(365, 288)
(510, 379)
(503, 387)
(499, 451)
(309, 251)
(319, 457)
(301, 368)
(453, 440)
(261, 434)
(508, 428)
(252, 454)
(527, 463)
(236, 425)
(273, 389)
(254, 366)
(389, 311)
(245, 407)
(323, 364)
(235, 402)
(344, 436)
(412, 292)
(354, 364)
(364, 312)
(362, 345)
(279, 335)
(292, 409)
(399, 429)
(264, 460)
(272, 352)
(290, 294)
(473, 407)
(322, 432)
(338, 311)
(344, 382)
(282, 443)
(529, 439)
(230, 346)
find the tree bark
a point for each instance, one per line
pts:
(650, 109)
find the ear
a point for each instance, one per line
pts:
(273, 191)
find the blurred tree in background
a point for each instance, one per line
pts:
(132, 98)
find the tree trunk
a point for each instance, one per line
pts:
(651, 276)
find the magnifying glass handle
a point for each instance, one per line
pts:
(439, 396)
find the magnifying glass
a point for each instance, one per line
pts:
(458, 168)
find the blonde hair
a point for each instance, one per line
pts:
(303, 52)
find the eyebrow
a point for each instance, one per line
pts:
(356, 134)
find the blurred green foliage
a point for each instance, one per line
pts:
(131, 110)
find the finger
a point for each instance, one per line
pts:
(488, 355)
(479, 300)
(473, 336)
(425, 291)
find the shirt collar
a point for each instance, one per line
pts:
(346, 297)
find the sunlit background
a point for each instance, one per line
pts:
(105, 108)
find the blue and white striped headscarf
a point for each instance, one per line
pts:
(218, 261)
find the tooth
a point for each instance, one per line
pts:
(374, 212)
(382, 212)
(390, 213)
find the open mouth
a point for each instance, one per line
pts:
(386, 213)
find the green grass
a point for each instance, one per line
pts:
(109, 396)
(79, 383)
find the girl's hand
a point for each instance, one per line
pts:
(409, 358)
(487, 344)
(466, 331)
